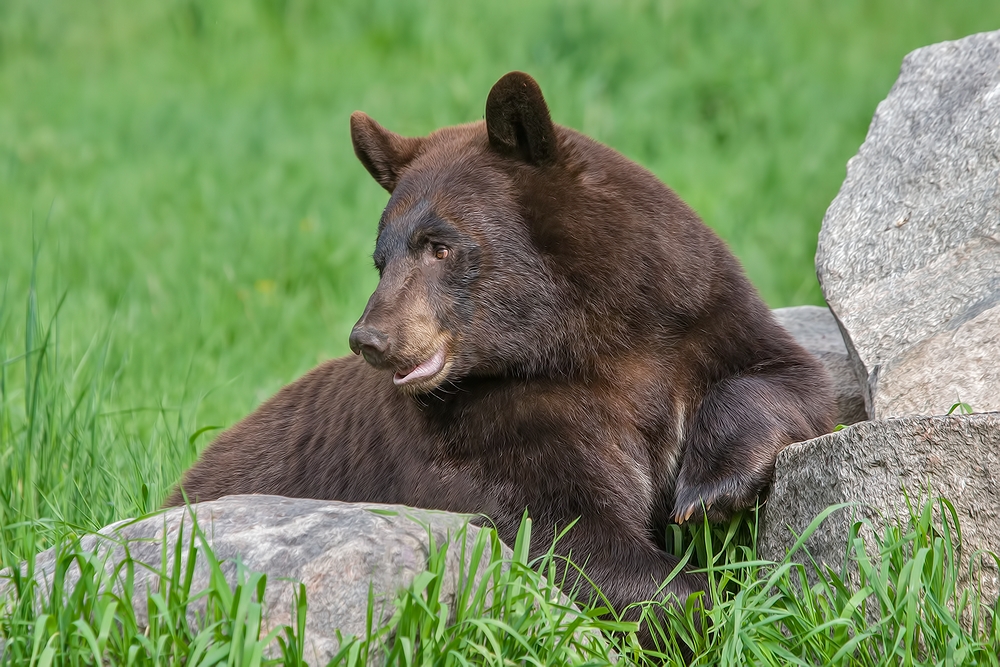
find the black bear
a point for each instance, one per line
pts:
(553, 329)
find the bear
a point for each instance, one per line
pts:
(553, 331)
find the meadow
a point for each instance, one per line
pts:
(184, 227)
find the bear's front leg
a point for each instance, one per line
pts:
(737, 432)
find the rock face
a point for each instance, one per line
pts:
(922, 381)
(909, 252)
(336, 549)
(816, 330)
(957, 457)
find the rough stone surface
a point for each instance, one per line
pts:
(958, 365)
(816, 329)
(957, 457)
(336, 549)
(910, 248)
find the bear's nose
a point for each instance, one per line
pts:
(371, 343)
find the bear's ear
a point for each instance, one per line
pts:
(385, 154)
(517, 120)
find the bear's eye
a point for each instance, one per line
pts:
(441, 252)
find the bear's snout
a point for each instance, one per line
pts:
(370, 343)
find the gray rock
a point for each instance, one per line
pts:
(870, 463)
(910, 248)
(816, 329)
(956, 365)
(336, 549)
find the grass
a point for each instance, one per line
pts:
(84, 614)
(904, 607)
(187, 169)
(184, 228)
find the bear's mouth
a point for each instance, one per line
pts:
(422, 371)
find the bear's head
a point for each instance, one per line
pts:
(500, 252)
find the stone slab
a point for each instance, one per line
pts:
(336, 549)
(870, 464)
(910, 247)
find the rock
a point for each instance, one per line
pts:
(909, 252)
(816, 329)
(336, 549)
(958, 365)
(870, 463)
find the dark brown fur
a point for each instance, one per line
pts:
(606, 358)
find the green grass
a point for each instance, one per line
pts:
(184, 228)
(904, 607)
(186, 164)
(84, 614)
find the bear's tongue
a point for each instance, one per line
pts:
(424, 370)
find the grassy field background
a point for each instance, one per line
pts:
(179, 177)
(184, 229)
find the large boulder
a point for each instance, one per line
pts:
(870, 464)
(909, 251)
(816, 330)
(336, 549)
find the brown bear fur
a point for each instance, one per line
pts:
(567, 336)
